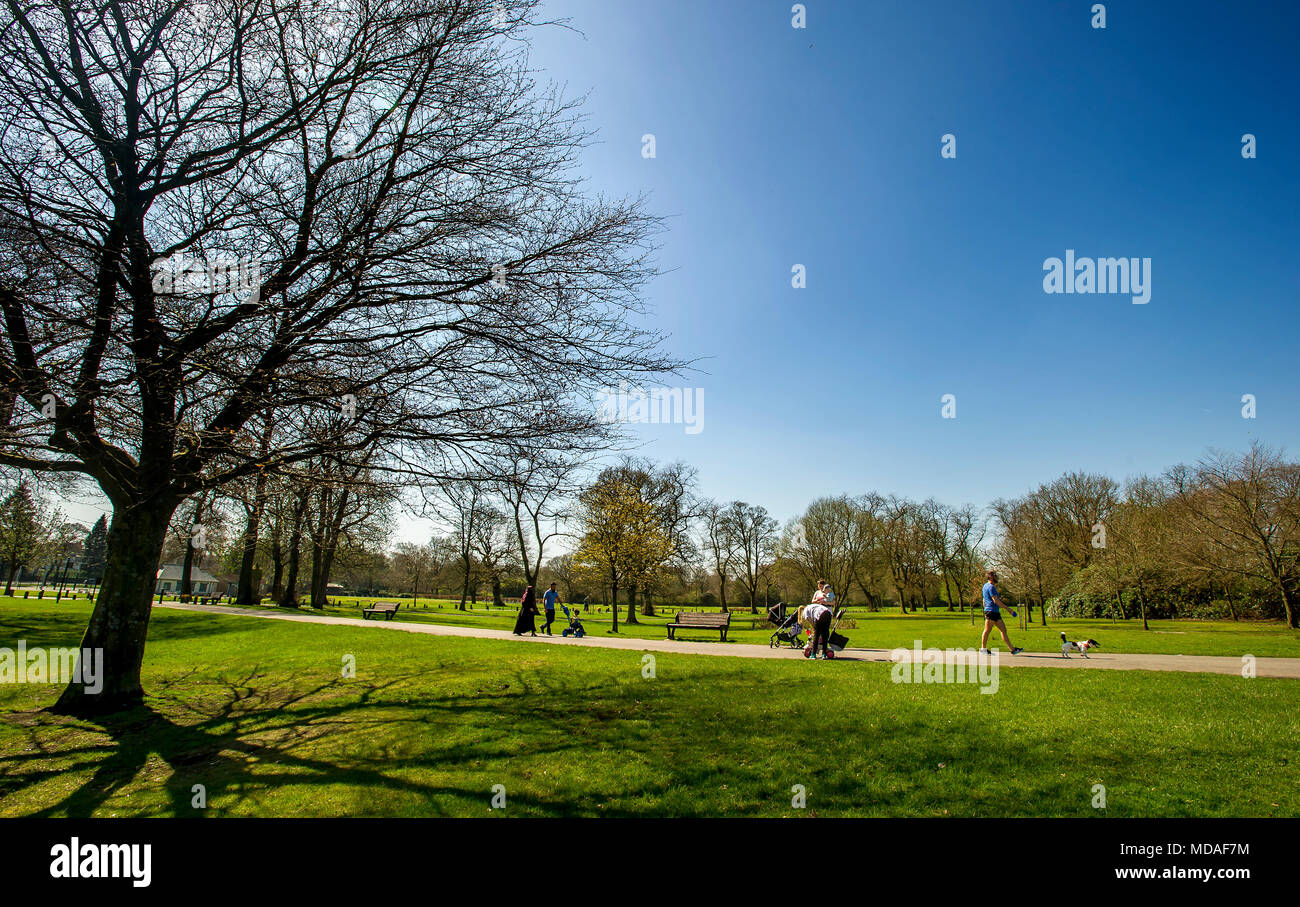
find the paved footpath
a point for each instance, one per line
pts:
(1202, 664)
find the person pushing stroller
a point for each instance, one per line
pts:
(820, 614)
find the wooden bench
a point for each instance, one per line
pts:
(388, 609)
(700, 620)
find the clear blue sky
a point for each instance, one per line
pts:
(778, 146)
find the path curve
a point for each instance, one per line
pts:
(1201, 664)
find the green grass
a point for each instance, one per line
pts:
(256, 711)
(889, 630)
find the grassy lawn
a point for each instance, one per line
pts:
(257, 712)
(889, 630)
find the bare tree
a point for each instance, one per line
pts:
(417, 266)
(719, 544)
(412, 565)
(535, 483)
(1248, 508)
(493, 549)
(826, 543)
(968, 530)
(755, 538)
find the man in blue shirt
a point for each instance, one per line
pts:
(993, 615)
(549, 600)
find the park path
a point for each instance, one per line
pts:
(1202, 664)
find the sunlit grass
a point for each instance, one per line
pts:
(257, 713)
(889, 629)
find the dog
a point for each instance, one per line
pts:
(1082, 646)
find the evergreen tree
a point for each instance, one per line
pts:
(20, 532)
(96, 547)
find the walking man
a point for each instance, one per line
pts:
(549, 600)
(993, 616)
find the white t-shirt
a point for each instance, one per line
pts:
(814, 611)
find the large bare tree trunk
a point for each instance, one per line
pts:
(119, 625)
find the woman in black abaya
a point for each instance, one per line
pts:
(527, 613)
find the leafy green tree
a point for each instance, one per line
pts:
(623, 542)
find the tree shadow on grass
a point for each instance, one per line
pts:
(242, 738)
(431, 741)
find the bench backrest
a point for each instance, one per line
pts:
(703, 619)
(385, 606)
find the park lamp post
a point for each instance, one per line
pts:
(62, 580)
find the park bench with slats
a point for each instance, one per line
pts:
(388, 609)
(700, 620)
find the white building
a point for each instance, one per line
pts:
(169, 581)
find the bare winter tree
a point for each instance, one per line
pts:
(360, 226)
(1246, 509)
(534, 485)
(345, 499)
(465, 504)
(719, 544)
(755, 538)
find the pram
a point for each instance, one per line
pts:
(575, 628)
(838, 641)
(787, 627)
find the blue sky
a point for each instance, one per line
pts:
(821, 146)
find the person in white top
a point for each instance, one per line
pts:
(819, 614)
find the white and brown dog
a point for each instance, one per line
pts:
(1082, 646)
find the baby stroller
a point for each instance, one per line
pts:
(787, 627)
(575, 628)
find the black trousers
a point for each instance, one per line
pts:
(822, 632)
(550, 619)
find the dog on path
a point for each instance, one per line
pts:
(1081, 646)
